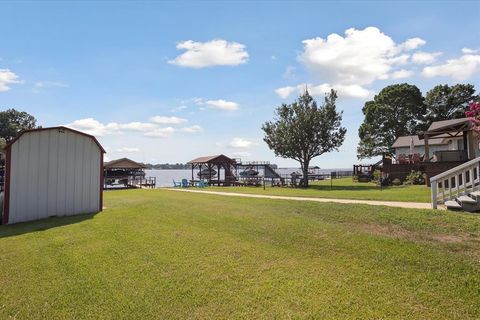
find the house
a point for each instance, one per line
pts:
(49, 172)
(402, 145)
(445, 145)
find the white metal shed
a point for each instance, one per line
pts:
(49, 172)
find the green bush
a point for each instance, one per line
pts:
(415, 177)
(377, 175)
(397, 182)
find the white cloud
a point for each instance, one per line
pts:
(160, 132)
(211, 53)
(7, 78)
(470, 51)
(127, 149)
(421, 57)
(344, 91)
(192, 129)
(179, 108)
(400, 74)
(90, 126)
(413, 43)
(460, 69)
(167, 120)
(240, 143)
(359, 58)
(44, 84)
(133, 126)
(222, 104)
(284, 92)
(96, 128)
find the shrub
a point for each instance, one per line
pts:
(415, 177)
(396, 182)
(377, 175)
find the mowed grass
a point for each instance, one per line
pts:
(342, 188)
(173, 255)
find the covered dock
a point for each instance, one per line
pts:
(126, 173)
(210, 168)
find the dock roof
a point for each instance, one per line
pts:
(123, 163)
(216, 159)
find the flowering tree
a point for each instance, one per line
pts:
(474, 114)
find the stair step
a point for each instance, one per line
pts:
(451, 204)
(466, 199)
(475, 193)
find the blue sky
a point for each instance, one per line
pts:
(170, 81)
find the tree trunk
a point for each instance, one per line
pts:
(305, 165)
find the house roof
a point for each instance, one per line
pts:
(55, 128)
(405, 141)
(123, 163)
(212, 159)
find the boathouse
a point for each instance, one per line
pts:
(126, 173)
(49, 172)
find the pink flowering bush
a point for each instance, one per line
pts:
(474, 114)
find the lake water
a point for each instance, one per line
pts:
(165, 177)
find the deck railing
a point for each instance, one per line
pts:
(455, 182)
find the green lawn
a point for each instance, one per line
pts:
(343, 188)
(164, 254)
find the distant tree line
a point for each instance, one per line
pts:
(167, 166)
(401, 110)
(177, 166)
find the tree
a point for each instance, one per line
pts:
(3, 143)
(396, 111)
(12, 122)
(444, 102)
(473, 114)
(302, 130)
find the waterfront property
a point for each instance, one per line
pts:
(164, 254)
(126, 173)
(52, 172)
(458, 145)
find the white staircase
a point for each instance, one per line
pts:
(458, 188)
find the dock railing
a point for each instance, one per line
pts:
(455, 182)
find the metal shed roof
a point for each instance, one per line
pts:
(55, 128)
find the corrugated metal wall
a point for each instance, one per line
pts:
(53, 173)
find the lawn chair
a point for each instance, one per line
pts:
(177, 184)
(202, 184)
(185, 183)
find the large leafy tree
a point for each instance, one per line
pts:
(12, 122)
(396, 111)
(445, 102)
(303, 130)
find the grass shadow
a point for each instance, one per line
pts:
(42, 225)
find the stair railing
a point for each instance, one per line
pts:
(455, 182)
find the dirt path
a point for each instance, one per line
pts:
(399, 204)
